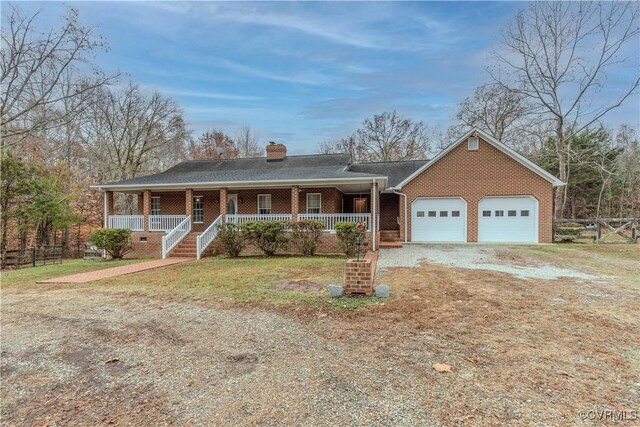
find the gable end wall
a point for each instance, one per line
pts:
(473, 175)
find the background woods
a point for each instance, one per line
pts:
(66, 124)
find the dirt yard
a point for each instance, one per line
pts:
(169, 350)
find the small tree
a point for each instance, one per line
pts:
(305, 235)
(351, 237)
(116, 241)
(232, 239)
(267, 235)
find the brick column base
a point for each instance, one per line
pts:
(359, 275)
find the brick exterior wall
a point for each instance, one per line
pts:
(331, 199)
(359, 275)
(473, 175)
(389, 212)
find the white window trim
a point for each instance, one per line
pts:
(159, 205)
(194, 210)
(258, 201)
(315, 194)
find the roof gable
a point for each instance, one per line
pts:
(495, 143)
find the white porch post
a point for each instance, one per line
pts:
(374, 215)
(105, 214)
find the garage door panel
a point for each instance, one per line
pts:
(439, 220)
(510, 219)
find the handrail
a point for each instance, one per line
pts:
(175, 236)
(241, 218)
(331, 219)
(164, 222)
(207, 236)
(132, 222)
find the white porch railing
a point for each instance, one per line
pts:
(164, 222)
(207, 236)
(172, 238)
(132, 222)
(241, 218)
(330, 220)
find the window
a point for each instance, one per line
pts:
(472, 143)
(420, 214)
(455, 213)
(155, 206)
(511, 213)
(499, 213)
(360, 205)
(444, 213)
(524, 213)
(486, 213)
(198, 209)
(264, 204)
(314, 203)
(432, 214)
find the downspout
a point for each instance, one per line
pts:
(405, 212)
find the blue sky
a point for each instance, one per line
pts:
(302, 73)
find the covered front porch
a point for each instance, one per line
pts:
(165, 218)
(162, 211)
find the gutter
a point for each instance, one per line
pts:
(236, 184)
(405, 212)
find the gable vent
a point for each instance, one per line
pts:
(472, 143)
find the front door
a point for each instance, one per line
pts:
(232, 204)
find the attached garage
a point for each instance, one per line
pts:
(508, 219)
(439, 219)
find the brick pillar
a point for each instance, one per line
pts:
(188, 202)
(223, 203)
(146, 208)
(295, 202)
(140, 204)
(359, 275)
(108, 207)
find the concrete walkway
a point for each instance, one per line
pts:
(116, 271)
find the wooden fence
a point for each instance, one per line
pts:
(600, 230)
(32, 257)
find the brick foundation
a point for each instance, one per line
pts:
(359, 275)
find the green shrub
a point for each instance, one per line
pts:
(267, 235)
(305, 235)
(350, 237)
(116, 241)
(232, 239)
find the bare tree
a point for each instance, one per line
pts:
(494, 109)
(342, 145)
(247, 142)
(212, 145)
(129, 133)
(32, 67)
(558, 55)
(389, 136)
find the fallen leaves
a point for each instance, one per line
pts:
(442, 367)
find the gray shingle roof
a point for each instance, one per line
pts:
(318, 166)
(396, 172)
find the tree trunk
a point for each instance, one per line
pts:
(563, 157)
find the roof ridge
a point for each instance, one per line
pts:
(259, 157)
(391, 161)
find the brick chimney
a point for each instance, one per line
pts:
(276, 152)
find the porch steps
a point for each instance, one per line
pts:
(390, 239)
(186, 248)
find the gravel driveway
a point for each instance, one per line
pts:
(80, 357)
(506, 259)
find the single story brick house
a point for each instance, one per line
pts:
(476, 190)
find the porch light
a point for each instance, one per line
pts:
(240, 200)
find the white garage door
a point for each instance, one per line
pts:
(508, 219)
(439, 220)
